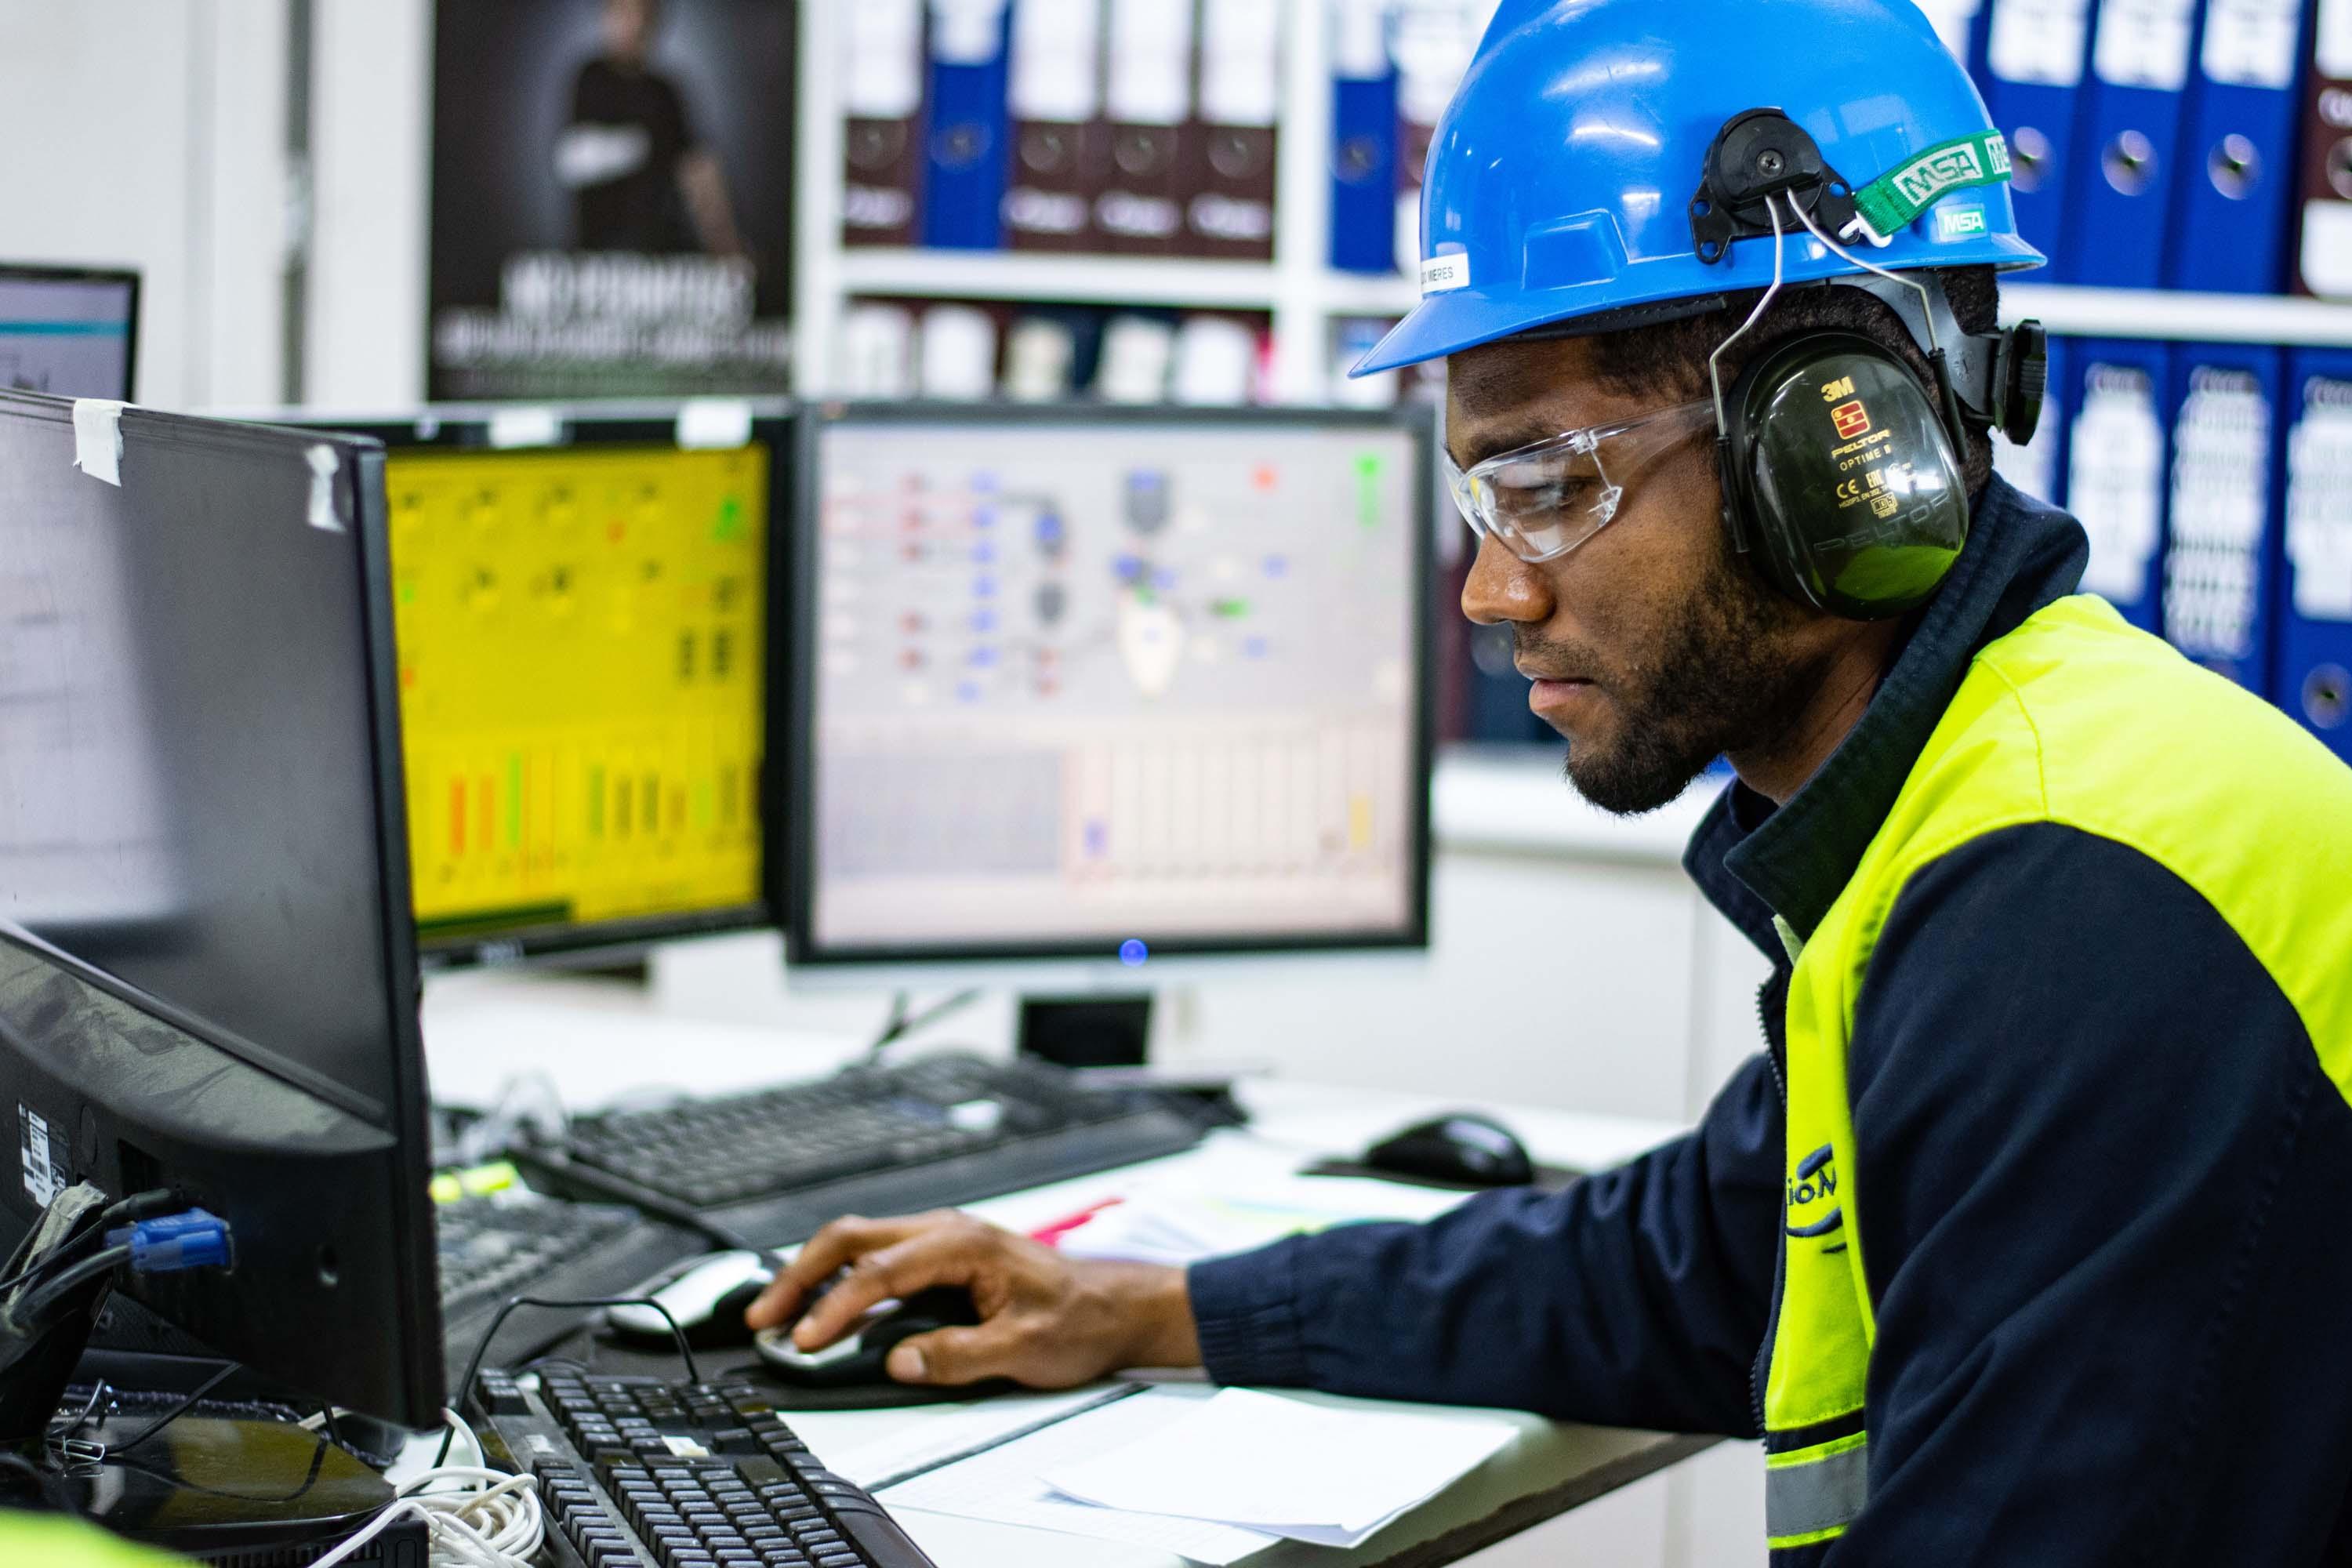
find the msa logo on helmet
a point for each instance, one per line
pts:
(1950, 168)
(1852, 419)
(1813, 1208)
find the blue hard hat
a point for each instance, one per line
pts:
(1560, 181)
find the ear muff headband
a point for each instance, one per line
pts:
(1842, 474)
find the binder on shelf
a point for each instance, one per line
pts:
(2222, 536)
(2126, 142)
(1363, 138)
(2118, 458)
(2313, 676)
(2034, 54)
(2233, 191)
(1059, 142)
(2324, 265)
(1146, 96)
(963, 163)
(1431, 43)
(2039, 469)
(882, 123)
(1226, 150)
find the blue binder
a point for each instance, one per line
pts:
(1363, 141)
(965, 158)
(2040, 469)
(2033, 70)
(2222, 532)
(2128, 134)
(2313, 673)
(2119, 446)
(2234, 180)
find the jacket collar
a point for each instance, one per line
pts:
(1754, 862)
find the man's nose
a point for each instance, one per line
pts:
(1503, 588)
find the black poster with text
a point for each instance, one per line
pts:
(612, 199)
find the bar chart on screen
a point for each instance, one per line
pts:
(612, 767)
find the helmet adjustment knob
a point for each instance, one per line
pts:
(1756, 157)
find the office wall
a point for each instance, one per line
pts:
(151, 135)
(371, 141)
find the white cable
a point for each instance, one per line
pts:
(491, 1520)
(1714, 360)
(1927, 302)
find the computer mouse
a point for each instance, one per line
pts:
(858, 1358)
(706, 1296)
(1461, 1150)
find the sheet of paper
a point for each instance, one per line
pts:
(1283, 1465)
(1003, 1484)
(924, 1444)
(1177, 1225)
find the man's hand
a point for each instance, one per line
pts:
(1047, 1320)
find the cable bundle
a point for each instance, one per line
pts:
(479, 1517)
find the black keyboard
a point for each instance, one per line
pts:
(771, 1167)
(516, 1241)
(640, 1471)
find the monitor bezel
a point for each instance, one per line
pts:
(795, 806)
(46, 272)
(406, 1285)
(634, 422)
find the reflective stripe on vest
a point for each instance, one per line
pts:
(2078, 720)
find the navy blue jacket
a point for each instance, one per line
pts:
(2109, 1224)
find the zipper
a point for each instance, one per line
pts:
(1772, 1050)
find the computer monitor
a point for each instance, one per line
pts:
(1106, 685)
(581, 614)
(200, 837)
(69, 331)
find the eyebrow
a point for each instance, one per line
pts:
(1493, 442)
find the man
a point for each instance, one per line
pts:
(641, 179)
(2028, 1236)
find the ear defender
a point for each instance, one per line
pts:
(1842, 472)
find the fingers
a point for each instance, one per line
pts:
(953, 1357)
(827, 1253)
(938, 1256)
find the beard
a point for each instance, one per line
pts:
(1721, 679)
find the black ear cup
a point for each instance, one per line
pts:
(1840, 475)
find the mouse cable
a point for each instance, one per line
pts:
(482, 1348)
(95, 1452)
(475, 1517)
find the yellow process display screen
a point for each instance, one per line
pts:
(580, 637)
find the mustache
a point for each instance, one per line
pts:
(1551, 659)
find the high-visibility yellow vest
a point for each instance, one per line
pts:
(51, 1540)
(2079, 720)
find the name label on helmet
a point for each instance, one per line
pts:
(1445, 274)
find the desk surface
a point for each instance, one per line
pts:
(605, 1043)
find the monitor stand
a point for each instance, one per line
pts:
(226, 1492)
(1085, 1031)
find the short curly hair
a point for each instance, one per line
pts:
(1668, 359)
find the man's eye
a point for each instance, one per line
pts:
(1552, 489)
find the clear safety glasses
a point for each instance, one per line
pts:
(1541, 502)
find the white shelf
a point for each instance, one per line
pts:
(1141, 280)
(2180, 318)
(1367, 294)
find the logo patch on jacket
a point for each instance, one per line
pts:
(1814, 1209)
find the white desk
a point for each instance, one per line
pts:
(605, 1042)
